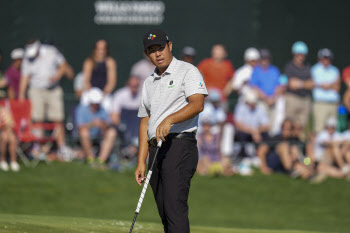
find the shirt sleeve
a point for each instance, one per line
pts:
(59, 57)
(116, 104)
(264, 118)
(143, 111)
(80, 116)
(254, 79)
(25, 71)
(239, 112)
(194, 83)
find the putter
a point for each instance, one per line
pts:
(144, 189)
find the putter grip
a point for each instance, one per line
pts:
(142, 196)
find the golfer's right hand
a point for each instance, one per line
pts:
(140, 173)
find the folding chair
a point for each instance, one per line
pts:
(21, 112)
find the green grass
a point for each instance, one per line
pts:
(75, 198)
(53, 224)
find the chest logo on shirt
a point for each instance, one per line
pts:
(171, 84)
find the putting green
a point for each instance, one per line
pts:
(10, 223)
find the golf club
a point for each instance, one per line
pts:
(144, 189)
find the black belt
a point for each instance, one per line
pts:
(153, 141)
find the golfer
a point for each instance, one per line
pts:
(172, 98)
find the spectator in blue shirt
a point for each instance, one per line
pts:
(93, 123)
(326, 92)
(265, 80)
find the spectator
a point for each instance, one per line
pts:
(239, 82)
(299, 86)
(100, 69)
(13, 74)
(325, 94)
(216, 70)
(42, 69)
(251, 121)
(188, 54)
(210, 159)
(8, 141)
(327, 146)
(324, 148)
(125, 105)
(278, 154)
(265, 80)
(142, 69)
(93, 123)
(214, 111)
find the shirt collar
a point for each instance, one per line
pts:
(169, 70)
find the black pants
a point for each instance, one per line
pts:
(171, 180)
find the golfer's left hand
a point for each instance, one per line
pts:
(163, 129)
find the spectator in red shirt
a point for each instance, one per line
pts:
(216, 70)
(13, 74)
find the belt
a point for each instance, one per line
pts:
(153, 141)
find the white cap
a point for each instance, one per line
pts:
(331, 122)
(17, 54)
(189, 51)
(94, 96)
(250, 96)
(32, 49)
(251, 54)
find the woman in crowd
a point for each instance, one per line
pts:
(100, 69)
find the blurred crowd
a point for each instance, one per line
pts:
(292, 120)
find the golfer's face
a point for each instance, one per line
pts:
(160, 55)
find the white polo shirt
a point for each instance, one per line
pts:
(166, 94)
(43, 67)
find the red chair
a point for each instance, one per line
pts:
(24, 128)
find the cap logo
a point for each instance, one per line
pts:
(151, 36)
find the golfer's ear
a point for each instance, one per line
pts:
(170, 44)
(146, 53)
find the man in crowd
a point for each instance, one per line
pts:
(125, 106)
(327, 146)
(216, 70)
(240, 81)
(93, 123)
(188, 54)
(251, 121)
(142, 69)
(265, 80)
(280, 154)
(299, 87)
(42, 69)
(326, 92)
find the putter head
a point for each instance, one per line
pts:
(159, 143)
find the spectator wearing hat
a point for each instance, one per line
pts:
(216, 70)
(299, 86)
(93, 123)
(42, 68)
(13, 74)
(251, 120)
(326, 147)
(240, 81)
(326, 92)
(265, 80)
(188, 54)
